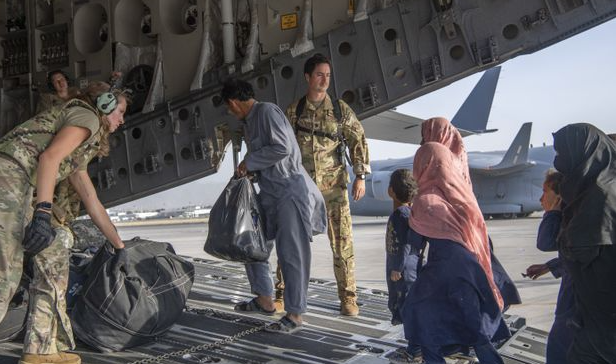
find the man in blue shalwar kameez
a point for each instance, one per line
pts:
(294, 207)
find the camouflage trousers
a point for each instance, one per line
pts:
(339, 231)
(48, 326)
(15, 204)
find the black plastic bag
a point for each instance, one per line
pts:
(236, 225)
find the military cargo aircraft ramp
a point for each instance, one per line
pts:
(383, 53)
(221, 335)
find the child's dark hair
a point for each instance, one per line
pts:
(403, 185)
(553, 178)
(237, 89)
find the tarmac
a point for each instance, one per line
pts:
(514, 243)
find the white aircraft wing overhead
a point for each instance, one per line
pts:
(472, 118)
(393, 126)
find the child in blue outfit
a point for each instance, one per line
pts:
(402, 258)
(561, 333)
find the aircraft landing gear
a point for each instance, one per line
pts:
(508, 216)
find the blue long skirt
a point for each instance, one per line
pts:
(451, 302)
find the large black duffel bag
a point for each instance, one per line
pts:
(236, 225)
(14, 322)
(124, 307)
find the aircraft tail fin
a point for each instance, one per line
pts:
(474, 113)
(518, 151)
(515, 159)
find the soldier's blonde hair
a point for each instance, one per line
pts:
(89, 95)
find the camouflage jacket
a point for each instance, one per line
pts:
(28, 140)
(48, 101)
(66, 201)
(320, 154)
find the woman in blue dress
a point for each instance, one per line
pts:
(454, 301)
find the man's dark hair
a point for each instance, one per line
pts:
(314, 61)
(612, 136)
(236, 89)
(403, 184)
(50, 75)
(553, 178)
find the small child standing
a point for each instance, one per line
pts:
(402, 258)
(562, 331)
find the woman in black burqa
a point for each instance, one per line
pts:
(587, 159)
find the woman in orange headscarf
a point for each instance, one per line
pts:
(455, 300)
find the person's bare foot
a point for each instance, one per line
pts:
(266, 303)
(295, 318)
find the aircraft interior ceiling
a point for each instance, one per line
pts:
(174, 55)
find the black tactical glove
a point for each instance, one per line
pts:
(120, 260)
(39, 233)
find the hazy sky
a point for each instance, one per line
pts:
(572, 81)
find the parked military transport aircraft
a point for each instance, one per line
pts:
(506, 183)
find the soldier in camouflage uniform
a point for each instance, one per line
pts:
(52, 147)
(49, 325)
(318, 133)
(57, 81)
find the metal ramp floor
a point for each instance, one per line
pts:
(326, 338)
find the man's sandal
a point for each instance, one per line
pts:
(253, 306)
(283, 326)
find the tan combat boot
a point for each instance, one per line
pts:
(279, 285)
(348, 307)
(279, 305)
(59, 358)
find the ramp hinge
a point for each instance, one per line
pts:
(565, 6)
(106, 179)
(203, 150)
(368, 96)
(151, 164)
(430, 70)
(447, 19)
(174, 121)
(485, 55)
(196, 120)
(541, 16)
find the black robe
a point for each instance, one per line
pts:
(587, 159)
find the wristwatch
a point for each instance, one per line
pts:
(360, 176)
(45, 205)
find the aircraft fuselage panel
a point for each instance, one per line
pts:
(175, 55)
